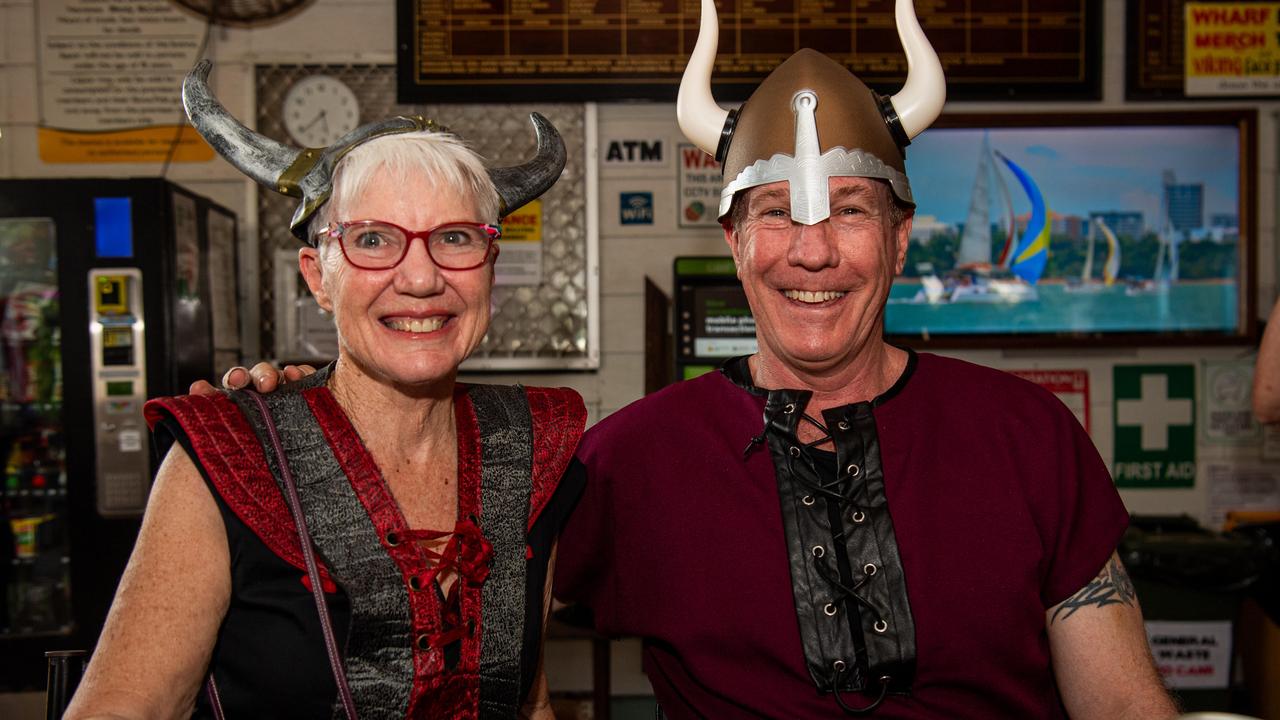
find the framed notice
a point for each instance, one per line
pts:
(1123, 228)
(555, 50)
(110, 80)
(1071, 387)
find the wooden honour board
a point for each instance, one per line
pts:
(557, 50)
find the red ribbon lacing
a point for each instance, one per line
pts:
(468, 554)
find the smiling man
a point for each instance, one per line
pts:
(834, 524)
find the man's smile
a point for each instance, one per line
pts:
(813, 297)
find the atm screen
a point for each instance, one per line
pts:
(722, 322)
(713, 319)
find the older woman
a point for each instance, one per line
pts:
(374, 540)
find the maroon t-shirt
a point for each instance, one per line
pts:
(1000, 502)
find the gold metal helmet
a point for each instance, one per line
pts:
(840, 126)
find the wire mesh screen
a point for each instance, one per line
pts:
(534, 326)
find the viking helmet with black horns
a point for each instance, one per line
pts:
(307, 173)
(841, 127)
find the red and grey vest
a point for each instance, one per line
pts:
(514, 445)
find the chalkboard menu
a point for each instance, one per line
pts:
(550, 50)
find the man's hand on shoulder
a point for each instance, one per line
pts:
(264, 376)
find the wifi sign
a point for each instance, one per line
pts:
(635, 208)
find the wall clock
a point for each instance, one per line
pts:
(319, 109)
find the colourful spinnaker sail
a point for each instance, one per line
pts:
(1032, 252)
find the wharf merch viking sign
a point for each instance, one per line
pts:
(1155, 425)
(552, 50)
(1232, 49)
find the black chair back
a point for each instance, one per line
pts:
(66, 667)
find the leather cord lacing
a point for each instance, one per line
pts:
(467, 553)
(841, 491)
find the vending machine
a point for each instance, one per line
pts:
(111, 292)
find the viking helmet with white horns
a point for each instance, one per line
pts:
(841, 127)
(307, 173)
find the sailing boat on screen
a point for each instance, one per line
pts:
(1032, 251)
(976, 279)
(1110, 269)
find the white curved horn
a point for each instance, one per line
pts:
(700, 118)
(920, 100)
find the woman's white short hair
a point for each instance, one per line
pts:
(441, 157)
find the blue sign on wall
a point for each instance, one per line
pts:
(635, 208)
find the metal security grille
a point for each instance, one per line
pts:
(533, 327)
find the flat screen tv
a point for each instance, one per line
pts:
(1046, 229)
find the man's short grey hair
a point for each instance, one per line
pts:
(440, 157)
(898, 210)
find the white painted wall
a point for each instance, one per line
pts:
(363, 31)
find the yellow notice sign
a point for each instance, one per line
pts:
(524, 225)
(520, 259)
(143, 145)
(1233, 49)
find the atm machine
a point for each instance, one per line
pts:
(713, 321)
(111, 292)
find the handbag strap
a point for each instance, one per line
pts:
(308, 554)
(215, 700)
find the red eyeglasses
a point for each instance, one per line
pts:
(380, 245)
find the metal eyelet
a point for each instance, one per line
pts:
(393, 539)
(423, 642)
(789, 408)
(415, 582)
(795, 451)
(853, 470)
(807, 500)
(818, 551)
(843, 424)
(880, 626)
(858, 516)
(838, 666)
(869, 569)
(829, 609)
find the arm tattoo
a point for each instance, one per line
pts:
(1112, 586)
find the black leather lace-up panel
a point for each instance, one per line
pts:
(850, 593)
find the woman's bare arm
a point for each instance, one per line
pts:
(154, 650)
(1266, 373)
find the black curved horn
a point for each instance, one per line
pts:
(519, 184)
(257, 156)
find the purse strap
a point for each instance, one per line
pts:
(313, 574)
(309, 555)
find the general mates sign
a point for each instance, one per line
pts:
(1191, 654)
(1232, 49)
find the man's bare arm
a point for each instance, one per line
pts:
(1100, 654)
